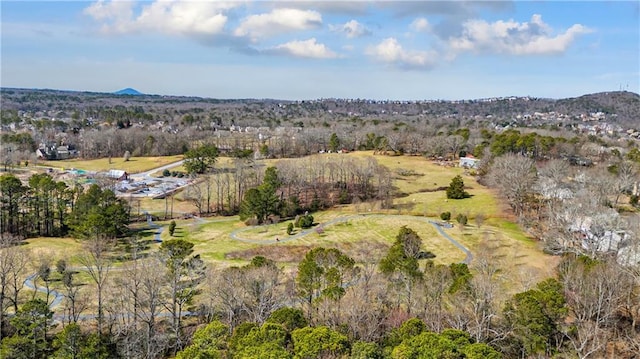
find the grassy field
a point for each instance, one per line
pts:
(365, 238)
(55, 248)
(134, 165)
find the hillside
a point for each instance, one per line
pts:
(618, 107)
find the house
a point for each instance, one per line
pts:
(53, 152)
(118, 175)
(469, 162)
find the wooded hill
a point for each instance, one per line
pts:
(619, 107)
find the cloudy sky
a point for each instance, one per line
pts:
(317, 49)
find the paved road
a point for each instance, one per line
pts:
(57, 296)
(148, 174)
(237, 234)
(469, 256)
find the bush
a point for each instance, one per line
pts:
(462, 219)
(61, 266)
(252, 222)
(634, 200)
(290, 228)
(344, 197)
(172, 228)
(166, 173)
(305, 221)
(445, 216)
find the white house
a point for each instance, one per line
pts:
(469, 162)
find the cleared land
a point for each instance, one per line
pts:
(134, 165)
(365, 238)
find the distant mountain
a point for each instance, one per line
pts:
(128, 91)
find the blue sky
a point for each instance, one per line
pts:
(316, 49)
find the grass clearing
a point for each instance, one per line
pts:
(365, 238)
(520, 258)
(370, 237)
(55, 248)
(134, 165)
(421, 196)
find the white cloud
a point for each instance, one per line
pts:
(167, 16)
(391, 52)
(278, 21)
(510, 37)
(104, 10)
(307, 49)
(351, 29)
(420, 24)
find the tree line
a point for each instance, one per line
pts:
(49, 208)
(291, 187)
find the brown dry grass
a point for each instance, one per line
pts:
(366, 239)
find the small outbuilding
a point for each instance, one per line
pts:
(469, 162)
(118, 175)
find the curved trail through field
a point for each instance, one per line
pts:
(237, 234)
(57, 296)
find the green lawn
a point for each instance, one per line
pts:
(134, 165)
(365, 238)
(55, 248)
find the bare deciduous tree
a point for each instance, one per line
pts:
(98, 264)
(13, 261)
(514, 176)
(594, 300)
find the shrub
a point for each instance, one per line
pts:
(252, 222)
(172, 228)
(305, 221)
(462, 219)
(634, 200)
(61, 266)
(445, 216)
(290, 228)
(344, 197)
(166, 173)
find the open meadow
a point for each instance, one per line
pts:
(363, 231)
(134, 165)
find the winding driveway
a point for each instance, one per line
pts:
(57, 296)
(237, 233)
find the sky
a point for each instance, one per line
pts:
(302, 50)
